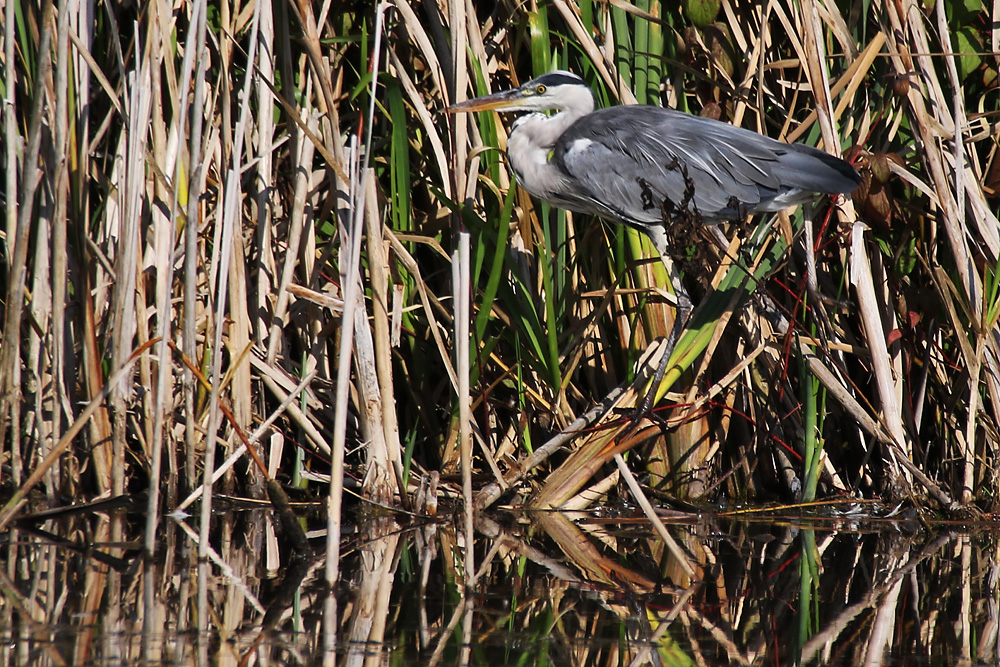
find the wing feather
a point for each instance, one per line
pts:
(631, 163)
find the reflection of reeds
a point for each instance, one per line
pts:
(176, 207)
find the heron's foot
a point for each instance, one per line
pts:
(635, 417)
(645, 408)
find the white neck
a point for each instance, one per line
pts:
(533, 137)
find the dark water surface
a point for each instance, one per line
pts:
(752, 588)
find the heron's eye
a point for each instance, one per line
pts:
(539, 89)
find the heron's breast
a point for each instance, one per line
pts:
(532, 164)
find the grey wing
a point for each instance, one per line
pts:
(639, 164)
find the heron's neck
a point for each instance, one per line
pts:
(558, 123)
(532, 140)
(581, 104)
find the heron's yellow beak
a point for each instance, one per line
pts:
(505, 100)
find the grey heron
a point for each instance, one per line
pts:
(644, 165)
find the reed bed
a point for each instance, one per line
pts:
(239, 229)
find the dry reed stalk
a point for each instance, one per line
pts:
(956, 194)
(888, 378)
(727, 263)
(904, 19)
(295, 413)
(126, 228)
(463, 312)
(17, 500)
(165, 227)
(385, 463)
(18, 239)
(650, 512)
(190, 199)
(198, 170)
(369, 618)
(456, 90)
(516, 472)
(229, 286)
(38, 428)
(300, 206)
(600, 58)
(11, 142)
(350, 234)
(265, 196)
(325, 80)
(437, 330)
(989, 230)
(258, 433)
(62, 154)
(380, 481)
(427, 122)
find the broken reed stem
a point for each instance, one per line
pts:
(463, 296)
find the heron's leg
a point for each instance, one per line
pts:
(684, 308)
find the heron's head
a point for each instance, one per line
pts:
(560, 90)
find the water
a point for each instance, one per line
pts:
(837, 589)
